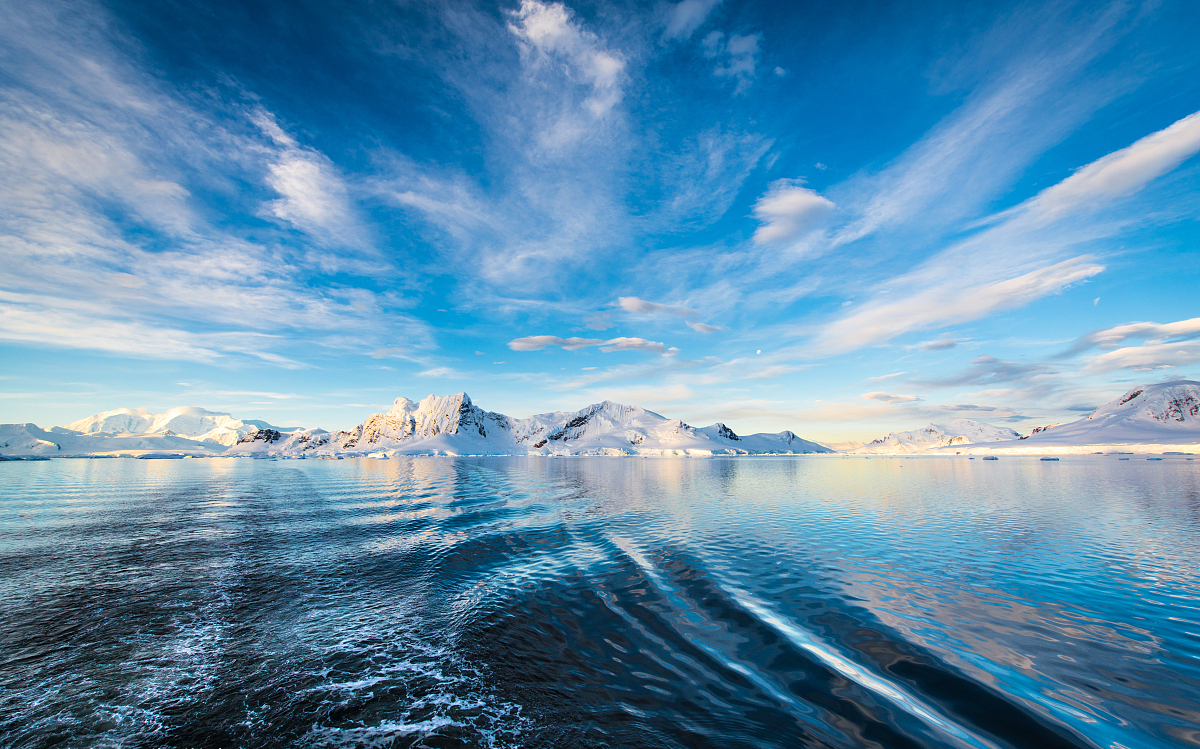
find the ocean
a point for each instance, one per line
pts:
(601, 602)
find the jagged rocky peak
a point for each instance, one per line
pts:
(431, 416)
(727, 433)
(1038, 430)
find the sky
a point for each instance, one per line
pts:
(839, 218)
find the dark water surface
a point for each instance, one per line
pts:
(597, 602)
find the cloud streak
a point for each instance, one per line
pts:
(942, 305)
(539, 342)
(883, 397)
(1165, 346)
(641, 306)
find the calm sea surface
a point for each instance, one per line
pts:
(601, 602)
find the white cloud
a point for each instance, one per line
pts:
(546, 30)
(940, 345)
(1166, 345)
(641, 306)
(598, 321)
(685, 17)
(539, 342)
(1111, 337)
(700, 327)
(442, 373)
(883, 397)
(634, 344)
(1120, 173)
(37, 325)
(787, 212)
(1147, 357)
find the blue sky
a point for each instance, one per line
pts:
(839, 218)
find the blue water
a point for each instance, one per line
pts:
(601, 602)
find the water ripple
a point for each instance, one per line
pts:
(600, 602)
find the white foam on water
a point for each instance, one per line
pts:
(826, 654)
(860, 675)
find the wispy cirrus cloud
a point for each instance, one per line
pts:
(987, 371)
(947, 303)
(945, 291)
(975, 153)
(314, 198)
(106, 241)
(736, 57)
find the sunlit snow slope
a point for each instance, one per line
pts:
(1160, 417)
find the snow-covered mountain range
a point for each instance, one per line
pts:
(436, 425)
(186, 421)
(185, 429)
(953, 433)
(454, 425)
(1160, 417)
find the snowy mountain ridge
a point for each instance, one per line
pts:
(934, 436)
(454, 425)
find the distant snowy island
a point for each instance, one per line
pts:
(1162, 417)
